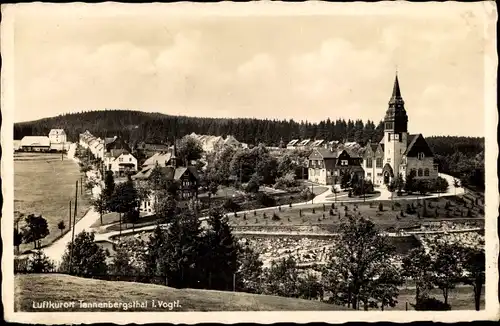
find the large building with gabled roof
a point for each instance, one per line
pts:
(398, 153)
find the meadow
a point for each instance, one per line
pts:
(44, 184)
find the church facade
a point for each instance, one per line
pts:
(398, 153)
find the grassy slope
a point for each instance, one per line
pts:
(57, 287)
(43, 184)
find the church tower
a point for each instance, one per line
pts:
(395, 130)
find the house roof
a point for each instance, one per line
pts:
(304, 142)
(230, 138)
(169, 171)
(35, 141)
(109, 140)
(153, 147)
(292, 142)
(158, 158)
(57, 131)
(324, 152)
(317, 143)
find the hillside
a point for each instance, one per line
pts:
(58, 287)
(156, 127)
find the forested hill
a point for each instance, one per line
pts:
(156, 127)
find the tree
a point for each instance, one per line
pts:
(282, 278)
(309, 287)
(409, 186)
(18, 239)
(361, 257)
(40, 263)
(165, 207)
(286, 165)
(84, 257)
(35, 229)
(250, 270)
(189, 149)
(125, 199)
(109, 186)
(385, 288)
(254, 184)
(122, 261)
(221, 252)
(416, 266)
(61, 226)
(446, 267)
(99, 203)
(474, 266)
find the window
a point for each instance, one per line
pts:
(426, 172)
(369, 175)
(435, 167)
(344, 162)
(130, 159)
(379, 162)
(109, 167)
(389, 137)
(120, 159)
(420, 172)
(396, 136)
(379, 174)
(369, 163)
(388, 160)
(421, 156)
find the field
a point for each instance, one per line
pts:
(44, 184)
(58, 287)
(289, 218)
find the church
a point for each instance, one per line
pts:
(398, 153)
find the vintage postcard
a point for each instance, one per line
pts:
(259, 162)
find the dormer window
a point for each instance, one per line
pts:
(420, 156)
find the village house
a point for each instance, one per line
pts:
(149, 149)
(327, 165)
(186, 177)
(398, 153)
(160, 159)
(292, 144)
(57, 136)
(120, 162)
(35, 144)
(212, 143)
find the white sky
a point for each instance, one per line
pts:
(305, 67)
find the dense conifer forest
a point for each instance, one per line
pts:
(458, 156)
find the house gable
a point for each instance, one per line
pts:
(418, 145)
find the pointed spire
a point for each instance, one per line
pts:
(396, 92)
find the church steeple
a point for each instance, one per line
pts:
(395, 116)
(173, 158)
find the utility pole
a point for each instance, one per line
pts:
(70, 214)
(234, 282)
(73, 231)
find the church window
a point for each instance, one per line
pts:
(389, 137)
(421, 156)
(420, 172)
(369, 163)
(388, 160)
(369, 175)
(426, 172)
(396, 136)
(379, 174)
(379, 162)
(344, 162)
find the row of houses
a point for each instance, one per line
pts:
(309, 143)
(55, 141)
(117, 157)
(211, 143)
(114, 152)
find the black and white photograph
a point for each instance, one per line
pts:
(257, 162)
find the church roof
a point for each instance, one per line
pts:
(417, 144)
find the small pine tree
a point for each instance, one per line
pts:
(349, 194)
(392, 207)
(289, 219)
(333, 205)
(323, 215)
(429, 204)
(324, 208)
(469, 213)
(300, 212)
(402, 213)
(235, 214)
(346, 208)
(276, 217)
(314, 211)
(418, 214)
(264, 215)
(244, 216)
(254, 213)
(380, 207)
(290, 205)
(256, 220)
(319, 219)
(331, 212)
(436, 212)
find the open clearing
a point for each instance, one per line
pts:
(58, 287)
(44, 184)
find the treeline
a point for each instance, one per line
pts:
(155, 127)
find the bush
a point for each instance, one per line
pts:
(275, 217)
(286, 182)
(431, 304)
(230, 205)
(265, 200)
(331, 212)
(40, 263)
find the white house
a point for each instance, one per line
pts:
(35, 143)
(120, 163)
(57, 136)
